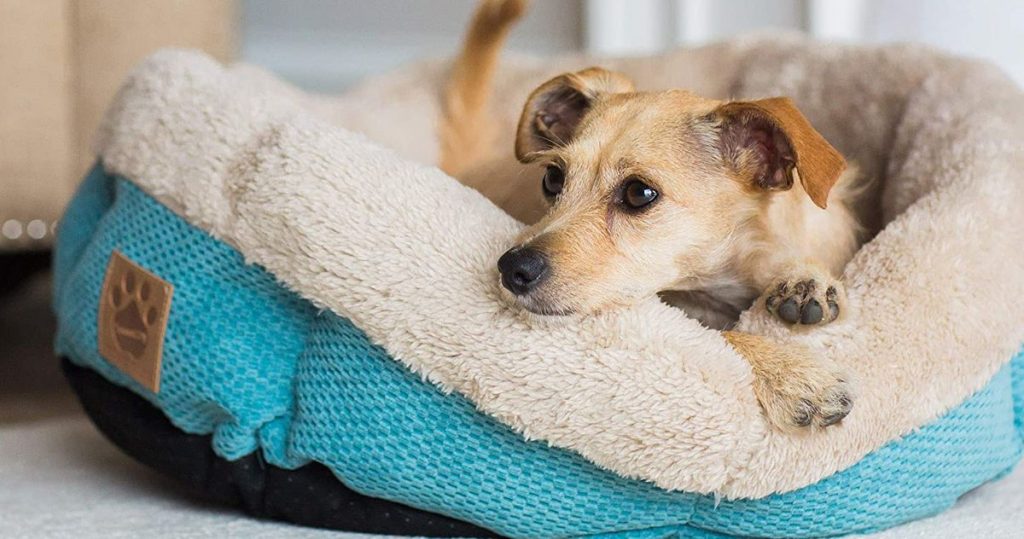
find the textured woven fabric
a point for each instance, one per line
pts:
(233, 335)
(261, 369)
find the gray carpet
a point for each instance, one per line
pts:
(60, 478)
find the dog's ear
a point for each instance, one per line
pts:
(554, 110)
(772, 144)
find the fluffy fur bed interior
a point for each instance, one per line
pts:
(644, 392)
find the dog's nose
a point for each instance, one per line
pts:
(522, 269)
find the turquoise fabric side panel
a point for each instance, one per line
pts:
(1017, 374)
(390, 434)
(77, 225)
(259, 368)
(233, 336)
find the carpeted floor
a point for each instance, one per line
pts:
(59, 478)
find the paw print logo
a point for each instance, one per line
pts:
(134, 313)
(134, 306)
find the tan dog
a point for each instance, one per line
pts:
(712, 204)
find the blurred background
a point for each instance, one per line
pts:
(63, 59)
(326, 45)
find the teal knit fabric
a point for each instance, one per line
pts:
(262, 370)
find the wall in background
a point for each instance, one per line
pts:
(327, 45)
(645, 26)
(991, 29)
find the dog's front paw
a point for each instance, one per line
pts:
(813, 394)
(796, 388)
(808, 301)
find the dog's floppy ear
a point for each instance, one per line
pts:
(555, 109)
(772, 144)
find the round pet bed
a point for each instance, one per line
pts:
(245, 261)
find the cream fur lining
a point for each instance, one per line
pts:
(408, 253)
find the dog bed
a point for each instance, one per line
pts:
(285, 278)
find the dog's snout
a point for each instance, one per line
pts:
(522, 269)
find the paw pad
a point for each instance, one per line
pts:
(814, 405)
(800, 302)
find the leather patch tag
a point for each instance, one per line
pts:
(134, 307)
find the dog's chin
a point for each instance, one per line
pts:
(541, 307)
(547, 310)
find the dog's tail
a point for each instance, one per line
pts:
(466, 128)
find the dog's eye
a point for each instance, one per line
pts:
(554, 179)
(637, 194)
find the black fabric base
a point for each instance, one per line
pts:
(310, 495)
(16, 268)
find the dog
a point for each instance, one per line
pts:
(713, 205)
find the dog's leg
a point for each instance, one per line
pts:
(466, 128)
(795, 389)
(804, 293)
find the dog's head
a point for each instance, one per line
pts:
(648, 189)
